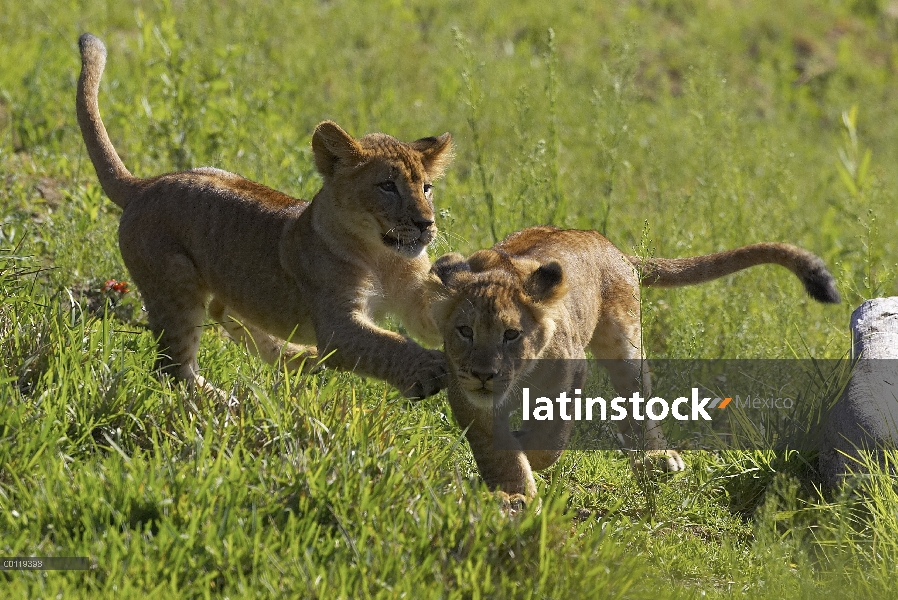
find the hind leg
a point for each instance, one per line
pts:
(616, 343)
(269, 348)
(175, 301)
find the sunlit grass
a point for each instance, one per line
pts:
(676, 128)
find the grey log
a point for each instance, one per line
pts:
(866, 416)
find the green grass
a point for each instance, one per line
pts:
(674, 127)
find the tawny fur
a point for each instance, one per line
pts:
(549, 293)
(280, 273)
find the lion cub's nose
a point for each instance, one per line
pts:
(423, 224)
(483, 376)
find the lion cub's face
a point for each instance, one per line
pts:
(494, 319)
(383, 188)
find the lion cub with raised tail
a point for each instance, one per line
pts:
(281, 272)
(547, 293)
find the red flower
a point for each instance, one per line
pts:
(117, 286)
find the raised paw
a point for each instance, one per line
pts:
(654, 462)
(295, 357)
(431, 375)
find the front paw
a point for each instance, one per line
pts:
(431, 374)
(512, 504)
(515, 504)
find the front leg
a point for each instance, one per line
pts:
(504, 470)
(545, 441)
(501, 461)
(411, 300)
(357, 344)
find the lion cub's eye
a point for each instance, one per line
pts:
(389, 187)
(428, 189)
(511, 335)
(466, 332)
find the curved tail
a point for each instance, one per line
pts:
(116, 180)
(673, 272)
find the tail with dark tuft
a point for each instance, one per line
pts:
(674, 272)
(820, 284)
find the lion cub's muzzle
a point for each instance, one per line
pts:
(410, 239)
(477, 381)
(483, 388)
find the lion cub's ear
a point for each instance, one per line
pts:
(436, 154)
(330, 145)
(546, 284)
(485, 260)
(448, 266)
(445, 275)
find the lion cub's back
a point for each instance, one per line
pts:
(248, 189)
(230, 228)
(580, 252)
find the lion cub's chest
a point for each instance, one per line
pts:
(374, 301)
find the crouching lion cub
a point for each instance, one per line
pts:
(549, 293)
(279, 271)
